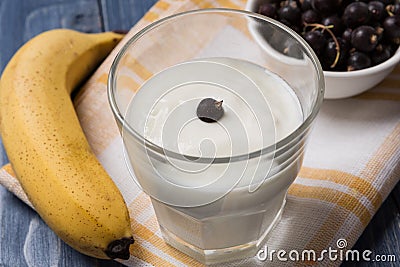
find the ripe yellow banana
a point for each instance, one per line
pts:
(48, 149)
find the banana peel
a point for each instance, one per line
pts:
(47, 148)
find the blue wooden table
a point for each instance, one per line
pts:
(25, 239)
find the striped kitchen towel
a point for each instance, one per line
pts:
(351, 165)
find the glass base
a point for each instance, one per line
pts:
(214, 256)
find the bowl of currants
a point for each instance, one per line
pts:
(357, 42)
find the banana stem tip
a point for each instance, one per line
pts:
(119, 249)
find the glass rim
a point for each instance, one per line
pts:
(111, 84)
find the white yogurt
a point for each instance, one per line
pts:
(212, 205)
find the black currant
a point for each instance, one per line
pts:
(316, 40)
(210, 110)
(386, 2)
(290, 12)
(356, 14)
(310, 16)
(364, 38)
(358, 61)
(346, 35)
(392, 47)
(268, 9)
(325, 7)
(377, 10)
(334, 58)
(391, 26)
(305, 5)
(334, 21)
(380, 54)
(343, 5)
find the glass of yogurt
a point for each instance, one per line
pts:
(214, 107)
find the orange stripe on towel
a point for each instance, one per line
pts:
(138, 68)
(151, 16)
(162, 5)
(103, 79)
(339, 198)
(351, 181)
(8, 168)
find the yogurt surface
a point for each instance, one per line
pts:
(259, 108)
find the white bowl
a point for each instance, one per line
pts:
(344, 84)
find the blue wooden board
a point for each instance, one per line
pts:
(25, 239)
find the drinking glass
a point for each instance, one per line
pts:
(214, 207)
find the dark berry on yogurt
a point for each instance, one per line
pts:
(210, 110)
